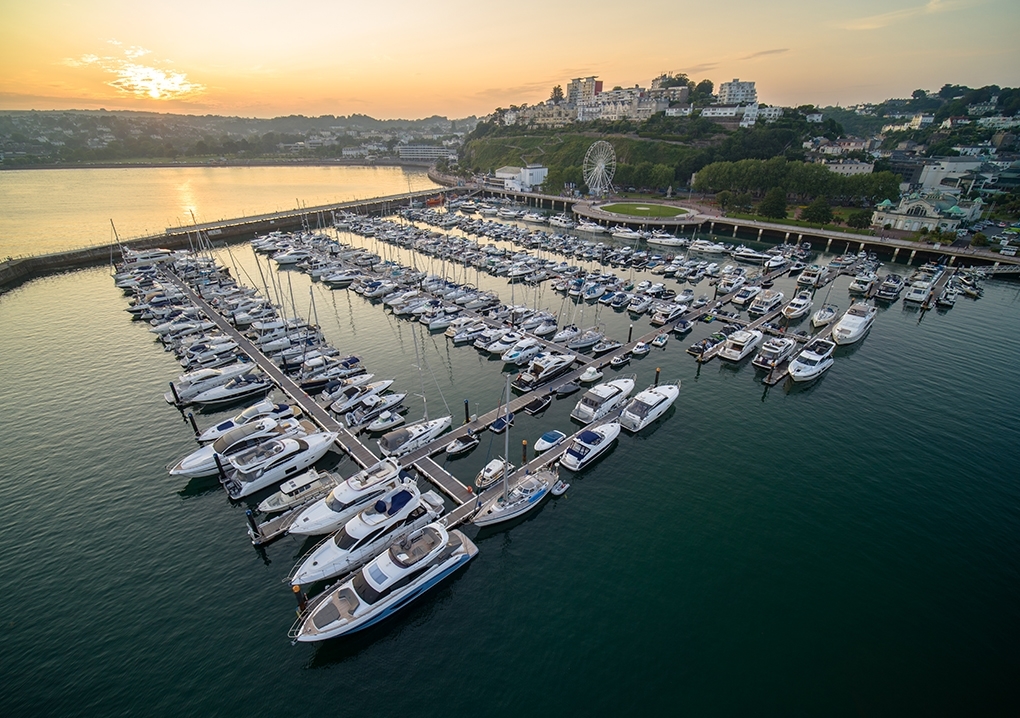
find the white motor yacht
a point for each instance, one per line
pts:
(890, 288)
(814, 361)
(274, 461)
(492, 472)
(798, 306)
(667, 313)
(548, 440)
(343, 502)
(740, 345)
(300, 490)
(774, 352)
(918, 292)
(413, 436)
(237, 389)
(543, 369)
(863, 283)
(853, 325)
(252, 413)
(190, 385)
(386, 421)
(350, 396)
(811, 276)
(590, 375)
(463, 444)
(589, 444)
(369, 409)
(648, 406)
(389, 518)
(202, 461)
(601, 399)
(746, 294)
(523, 351)
(766, 302)
(392, 580)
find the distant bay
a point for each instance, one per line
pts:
(52, 210)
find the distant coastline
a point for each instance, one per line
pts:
(283, 162)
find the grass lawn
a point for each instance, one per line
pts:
(643, 209)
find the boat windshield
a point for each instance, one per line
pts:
(592, 400)
(334, 503)
(640, 409)
(807, 361)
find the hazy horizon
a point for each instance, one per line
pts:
(407, 61)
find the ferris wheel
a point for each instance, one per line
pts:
(599, 167)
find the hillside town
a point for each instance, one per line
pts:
(934, 163)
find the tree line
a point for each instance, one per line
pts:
(803, 181)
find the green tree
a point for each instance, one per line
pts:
(979, 240)
(861, 219)
(774, 204)
(724, 198)
(557, 94)
(818, 212)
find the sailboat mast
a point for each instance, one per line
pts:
(506, 440)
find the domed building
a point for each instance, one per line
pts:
(916, 211)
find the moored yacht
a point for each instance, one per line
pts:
(766, 302)
(811, 276)
(273, 461)
(202, 461)
(543, 369)
(413, 436)
(814, 361)
(589, 444)
(252, 413)
(798, 306)
(648, 406)
(190, 385)
(389, 518)
(746, 294)
(392, 580)
(601, 399)
(853, 325)
(774, 352)
(347, 498)
(518, 500)
(245, 386)
(824, 315)
(890, 288)
(740, 344)
(862, 283)
(301, 489)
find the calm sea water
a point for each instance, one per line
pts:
(843, 548)
(44, 211)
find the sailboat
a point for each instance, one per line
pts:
(526, 495)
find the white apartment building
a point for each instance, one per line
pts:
(426, 153)
(519, 179)
(737, 93)
(722, 111)
(753, 113)
(681, 111)
(582, 89)
(847, 168)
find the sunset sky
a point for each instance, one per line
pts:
(395, 58)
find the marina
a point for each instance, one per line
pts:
(696, 496)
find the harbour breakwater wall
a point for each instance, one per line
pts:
(14, 271)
